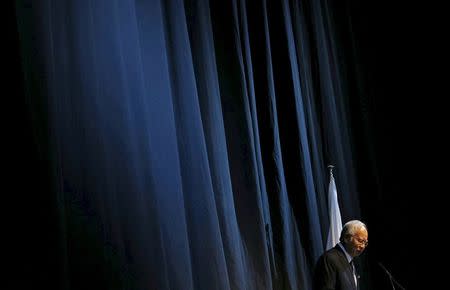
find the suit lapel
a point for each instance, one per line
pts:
(348, 270)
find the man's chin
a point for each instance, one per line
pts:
(356, 253)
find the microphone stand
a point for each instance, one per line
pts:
(391, 278)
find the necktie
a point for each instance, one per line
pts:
(352, 265)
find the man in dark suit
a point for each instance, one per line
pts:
(335, 269)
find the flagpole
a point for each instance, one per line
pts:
(331, 169)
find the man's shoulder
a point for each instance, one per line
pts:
(332, 252)
(333, 255)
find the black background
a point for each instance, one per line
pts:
(401, 139)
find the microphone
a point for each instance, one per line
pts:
(391, 278)
(384, 268)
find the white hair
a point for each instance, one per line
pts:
(351, 227)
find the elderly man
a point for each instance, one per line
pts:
(335, 269)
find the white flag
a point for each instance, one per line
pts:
(335, 214)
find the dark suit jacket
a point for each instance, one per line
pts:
(333, 272)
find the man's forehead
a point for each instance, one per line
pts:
(361, 232)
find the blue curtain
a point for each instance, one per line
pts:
(189, 139)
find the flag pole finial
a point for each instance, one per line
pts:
(331, 169)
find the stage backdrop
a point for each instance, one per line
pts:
(188, 141)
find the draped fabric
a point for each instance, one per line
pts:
(335, 230)
(189, 139)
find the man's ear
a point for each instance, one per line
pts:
(346, 239)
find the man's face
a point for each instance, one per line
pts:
(356, 244)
